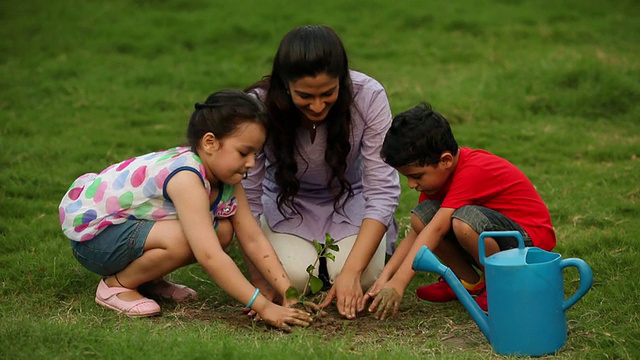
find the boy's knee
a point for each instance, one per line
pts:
(460, 227)
(464, 233)
(425, 211)
(416, 223)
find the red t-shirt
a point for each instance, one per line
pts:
(487, 180)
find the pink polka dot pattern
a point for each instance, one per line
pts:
(131, 189)
(138, 176)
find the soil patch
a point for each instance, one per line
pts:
(448, 326)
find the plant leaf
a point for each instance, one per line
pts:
(291, 293)
(310, 269)
(330, 256)
(328, 239)
(318, 246)
(316, 284)
(333, 247)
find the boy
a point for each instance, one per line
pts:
(464, 192)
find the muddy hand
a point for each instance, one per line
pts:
(313, 308)
(298, 318)
(387, 303)
(285, 317)
(372, 292)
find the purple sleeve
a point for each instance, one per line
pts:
(381, 182)
(255, 176)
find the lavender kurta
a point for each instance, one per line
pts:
(375, 184)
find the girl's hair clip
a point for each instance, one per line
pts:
(199, 106)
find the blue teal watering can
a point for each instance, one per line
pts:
(525, 295)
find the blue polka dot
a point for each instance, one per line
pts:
(121, 180)
(149, 189)
(73, 207)
(89, 216)
(177, 163)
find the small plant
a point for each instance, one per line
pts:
(314, 284)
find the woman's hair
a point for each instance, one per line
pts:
(418, 136)
(307, 51)
(222, 114)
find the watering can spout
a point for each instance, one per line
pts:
(426, 261)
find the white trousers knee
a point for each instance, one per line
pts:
(297, 253)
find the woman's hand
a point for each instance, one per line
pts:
(348, 294)
(285, 317)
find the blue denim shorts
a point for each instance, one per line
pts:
(113, 248)
(479, 218)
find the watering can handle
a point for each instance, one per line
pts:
(492, 234)
(586, 280)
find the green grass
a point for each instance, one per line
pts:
(553, 86)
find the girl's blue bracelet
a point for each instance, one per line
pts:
(255, 295)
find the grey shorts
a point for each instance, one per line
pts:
(479, 219)
(113, 248)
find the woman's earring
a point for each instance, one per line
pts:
(288, 93)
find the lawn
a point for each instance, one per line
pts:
(553, 86)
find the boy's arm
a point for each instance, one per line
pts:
(399, 255)
(388, 300)
(430, 236)
(392, 265)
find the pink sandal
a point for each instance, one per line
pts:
(168, 290)
(108, 297)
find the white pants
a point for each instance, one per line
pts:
(296, 254)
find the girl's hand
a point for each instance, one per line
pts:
(307, 305)
(386, 303)
(289, 302)
(267, 291)
(285, 317)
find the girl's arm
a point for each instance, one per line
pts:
(192, 205)
(256, 245)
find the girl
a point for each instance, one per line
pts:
(321, 170)
(145, 217)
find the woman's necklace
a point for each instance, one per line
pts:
(312, 133)
(311, 126)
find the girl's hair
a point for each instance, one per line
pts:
(307, 51)
(418, 136)
(222, 113)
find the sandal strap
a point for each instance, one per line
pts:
(105, 292)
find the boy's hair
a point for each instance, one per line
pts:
(418, 136)
(222, 113)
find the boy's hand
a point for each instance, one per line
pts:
(386, 303)
(375, 288)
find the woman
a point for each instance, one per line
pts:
(320, 171)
